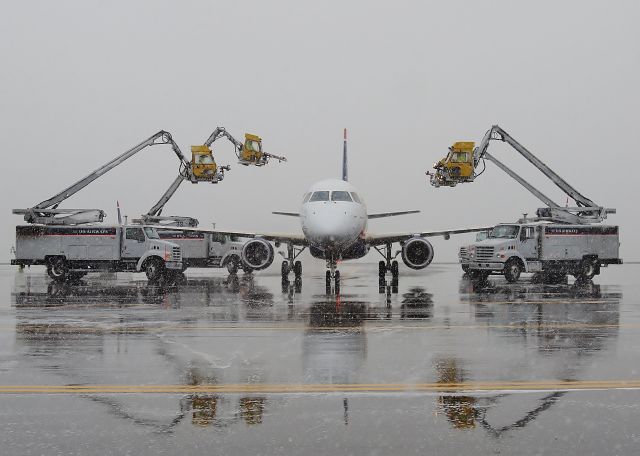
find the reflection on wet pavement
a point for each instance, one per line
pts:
(235, 353)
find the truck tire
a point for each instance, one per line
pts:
(233, 265)
(154, 269)
(588, 269)
(58, 269)
(512, 270)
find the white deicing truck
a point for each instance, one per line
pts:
(73, 251)
(553, 249)
(206, 249)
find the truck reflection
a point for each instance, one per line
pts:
(565, 326)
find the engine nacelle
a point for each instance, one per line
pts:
(417, 253)
(257, 253)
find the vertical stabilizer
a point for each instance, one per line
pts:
(345, 173)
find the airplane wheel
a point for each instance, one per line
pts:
(337, 279)
(297, 269)
(284, 269)
(395, 270)
(382, 269)
(328, 282)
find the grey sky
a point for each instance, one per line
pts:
(83, 81)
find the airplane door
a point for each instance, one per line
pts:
(528, 243)
(134, 245)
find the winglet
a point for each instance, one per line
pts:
(345, 174)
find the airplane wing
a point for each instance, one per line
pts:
(289, 214)
(379, 239)
(293, 238)
(390, 214)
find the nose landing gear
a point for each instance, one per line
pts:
(332, 275)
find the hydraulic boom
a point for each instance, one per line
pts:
(460, 166)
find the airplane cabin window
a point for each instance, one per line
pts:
(320, 196)
(355, 197)
(340, 196)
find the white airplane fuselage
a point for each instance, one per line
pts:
(333, 217)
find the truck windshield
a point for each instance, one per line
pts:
(151, 233)
(505, 231)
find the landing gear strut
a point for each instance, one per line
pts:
(388, 265)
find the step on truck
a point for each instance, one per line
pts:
(551, 249)
(207, 250)
(70, 252)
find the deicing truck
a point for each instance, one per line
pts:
(73, 251)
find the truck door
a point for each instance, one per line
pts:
(134, 245)
(528, 243)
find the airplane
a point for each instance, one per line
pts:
(333, 219)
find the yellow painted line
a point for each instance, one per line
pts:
(325, 388)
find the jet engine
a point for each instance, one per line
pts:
(417, 253)
(257, 253)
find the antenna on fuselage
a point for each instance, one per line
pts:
(345, 174)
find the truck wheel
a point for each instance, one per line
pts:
(512, 270)
(588, 269)
(154, 268)
(57, 269)
(232, 266)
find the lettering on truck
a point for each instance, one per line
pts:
(37, 231)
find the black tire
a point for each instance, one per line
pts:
(382, 269)
(328, 281)
(337, 281)
(588, 269)
(512, 270)
(233, 265)
(284, 269)
(58, 269)
(395, 269)
(465, 268)
(154, 269)
(297, 269)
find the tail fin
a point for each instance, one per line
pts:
(345, 173)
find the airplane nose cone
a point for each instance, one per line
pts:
(331, 227)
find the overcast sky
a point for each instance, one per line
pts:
(82, 81)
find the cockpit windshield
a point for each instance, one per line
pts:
(505, 231)
(341, 196)
(319, 196)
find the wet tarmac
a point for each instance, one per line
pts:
(218, 364)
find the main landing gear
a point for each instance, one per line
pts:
(333, 275)
(389, 264)
(291, 265)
